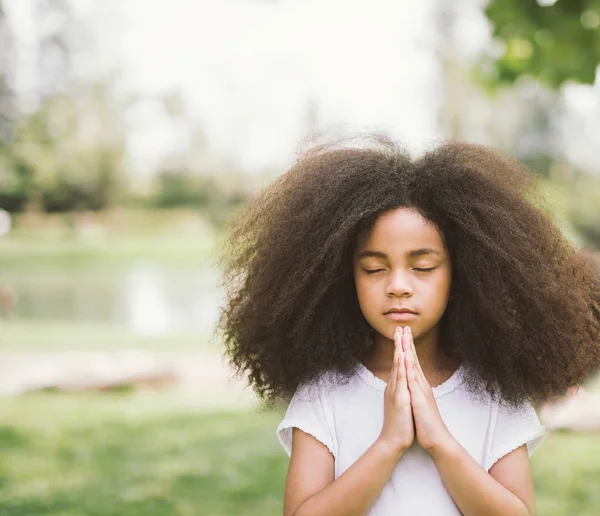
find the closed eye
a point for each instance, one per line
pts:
(416, 269)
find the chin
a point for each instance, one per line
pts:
(413, 328)
(390, 328)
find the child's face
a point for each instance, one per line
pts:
(399, 282)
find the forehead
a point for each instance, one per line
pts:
(402, 230)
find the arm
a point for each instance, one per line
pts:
(507, 489)
(310, 486)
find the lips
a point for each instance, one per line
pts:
(399, 311)
(400, 316)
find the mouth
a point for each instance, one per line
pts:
(400, 316)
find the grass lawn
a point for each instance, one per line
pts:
(179, 250)
(167, 454)
(52, 335)
(147, 454)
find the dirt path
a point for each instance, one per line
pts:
(22, 372)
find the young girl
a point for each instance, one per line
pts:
(412, 310)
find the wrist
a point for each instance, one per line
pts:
(390, 449)
(443, 447)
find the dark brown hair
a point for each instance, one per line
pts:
(525, 315)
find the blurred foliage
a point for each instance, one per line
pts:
(66, 155)
(66, 151)
(7, 97)
(70, 155)
(181, 188)
(573, 198)
(551, 41)
(585, 207)
(215, 196)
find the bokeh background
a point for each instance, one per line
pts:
(130, 133)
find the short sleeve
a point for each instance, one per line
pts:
(309, 411)
(513, 428)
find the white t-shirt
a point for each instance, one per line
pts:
(348, 418)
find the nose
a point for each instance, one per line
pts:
(399, 283)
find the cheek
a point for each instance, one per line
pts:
(439, 291)
(361, 289)
(366, 293)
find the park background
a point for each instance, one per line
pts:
(130, 133)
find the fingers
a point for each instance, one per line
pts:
(398, 376)
(406, 345)
(416, 362)
(413, 370)
(407, 351)
(395, 363)
(402, 380)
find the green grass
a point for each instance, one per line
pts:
(567, 475)
(153, 454)
(51, 335)
(102, 252)
(168, 454)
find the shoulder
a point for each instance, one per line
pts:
(511, 426)
(488, 425)
(310, 410)
(316, 389)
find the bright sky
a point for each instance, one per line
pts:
(247, 69)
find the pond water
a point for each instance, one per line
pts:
(148, 298)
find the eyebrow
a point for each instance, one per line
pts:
(412, 254)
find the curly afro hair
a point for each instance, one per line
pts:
(525, 315)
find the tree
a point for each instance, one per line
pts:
(68, 152)
(7, 100)
(553, 41)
